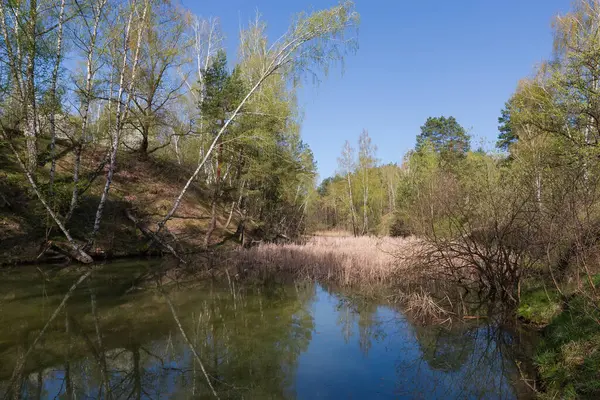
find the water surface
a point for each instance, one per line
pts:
(303, 341)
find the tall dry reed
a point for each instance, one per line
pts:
(346, 261)
(389, 267)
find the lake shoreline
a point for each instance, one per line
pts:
(368, 268)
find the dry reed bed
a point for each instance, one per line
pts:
(374, 265)
(346, 261)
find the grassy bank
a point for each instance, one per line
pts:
(568, 356)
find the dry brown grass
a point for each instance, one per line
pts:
(347, 261)
(333, 233)
(390, 268)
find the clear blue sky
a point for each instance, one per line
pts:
(416, 59)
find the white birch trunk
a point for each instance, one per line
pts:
(85, 109)
(120, 112)
(53, 93)
(78, 251)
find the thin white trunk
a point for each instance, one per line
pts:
(352, 210)
(230, 215)
(79, 253)
(29, 98)
(176, 145)
(120, 112)
(85, 106)
(53, 88)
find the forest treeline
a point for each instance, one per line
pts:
(520, 222)
(100, 90)
(367, 198)
(530, 204)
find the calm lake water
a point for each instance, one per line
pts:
(282, 341)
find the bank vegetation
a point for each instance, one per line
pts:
(127, 119)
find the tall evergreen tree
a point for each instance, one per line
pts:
(507, 135)
(446, 136)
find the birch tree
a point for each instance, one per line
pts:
(131, 52)
(53, 89)
(311, 43)
(346, 164)
(159, 86)
(86, 39)
(366, 161)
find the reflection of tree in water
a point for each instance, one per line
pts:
(128, 347)
(442, 349)
(363, 314)
(478, 361)
(249, 343)
(346, 319)
(254, 342)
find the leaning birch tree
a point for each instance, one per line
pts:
(310, 45)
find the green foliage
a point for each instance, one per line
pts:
(361, 197)
(540, 305)
(223, 91)
(568, 358)
(446, 136)
(507, 135)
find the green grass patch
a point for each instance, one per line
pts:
(539, 305)
(568, 357)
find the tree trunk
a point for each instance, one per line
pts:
(352, 210)
(53, 88)
(85, 109)
(79, 254)
(68, 380)
(143, 150)
(230, 214)
(120, 113)
(213, 223)
(101, 350)
(137, 372)
(29, 98)
(213, 217)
